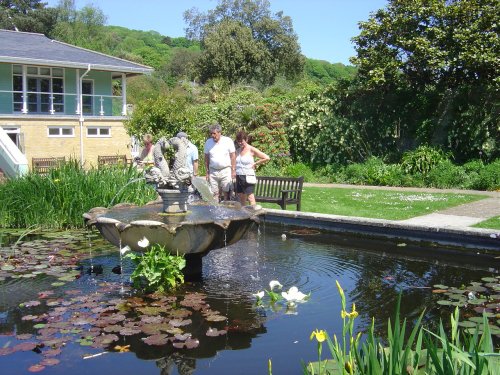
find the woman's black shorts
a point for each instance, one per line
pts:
(242, 186)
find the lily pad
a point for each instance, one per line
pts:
(440, 286)
(213, 332)
(489, 279)
(159, 339)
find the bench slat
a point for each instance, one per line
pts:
(103, 160)
(44, 165)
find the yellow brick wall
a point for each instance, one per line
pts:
(38, 144)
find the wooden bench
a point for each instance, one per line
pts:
(105, 160)
(44, 165)
(280, 190)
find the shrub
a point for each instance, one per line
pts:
(447, 175)
(489, 177)
(423, 159)
(299, 169)
(270, 169)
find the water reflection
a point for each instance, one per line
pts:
(89, 307)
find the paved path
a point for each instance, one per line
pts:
(462, 216)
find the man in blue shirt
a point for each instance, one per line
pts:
(192, 155)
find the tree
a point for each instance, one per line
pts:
(264, 45)
(83, 28)
(27, 15)
(429, 68)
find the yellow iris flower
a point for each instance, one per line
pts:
(319, 335)
(353, 314)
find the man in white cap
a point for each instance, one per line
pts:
(192, 154)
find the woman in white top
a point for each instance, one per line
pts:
(245, 166)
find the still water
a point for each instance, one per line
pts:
(75, 316)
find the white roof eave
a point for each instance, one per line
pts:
(76, 65)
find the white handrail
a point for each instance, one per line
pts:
(12, 161)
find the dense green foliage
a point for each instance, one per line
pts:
(59, 199)
(27, 15)
(475, 175)
(428, 73)
(421, 102)
(157, 270)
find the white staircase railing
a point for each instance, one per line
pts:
(13, 162)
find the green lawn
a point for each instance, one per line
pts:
(377, 204)
(493, 223)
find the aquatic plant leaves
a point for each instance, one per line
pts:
(213, 332)
(190, 343)
(158, 339)
(36, 368)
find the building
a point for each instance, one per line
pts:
(59, 100)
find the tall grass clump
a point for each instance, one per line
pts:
(58, 200)
(419, 351)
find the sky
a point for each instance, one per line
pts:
(324, 27)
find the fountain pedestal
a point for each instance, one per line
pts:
(175, 201)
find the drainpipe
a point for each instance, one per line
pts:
(81, 114)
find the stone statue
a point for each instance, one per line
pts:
(161, 175)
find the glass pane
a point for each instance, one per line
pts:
(87, 87)
(32, 98)
(45, 71)
(57, 85)
(17, 83)
(17, 69)
(104, 131)
(32, 70)
(18, 107)
(53, 131)
(18, 97)
(45, 98)
(32, 84)
(44, 108)
(57, 72)
(58, 98)
(92, 131)
(58, 108)
(67, 131)
(45, 85)
(32, 107)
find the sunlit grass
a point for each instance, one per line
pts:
(492, 223)
(377, 204)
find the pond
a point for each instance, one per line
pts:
(65, 307)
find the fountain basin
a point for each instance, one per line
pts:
(200, 229)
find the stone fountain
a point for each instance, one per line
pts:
(191, 229)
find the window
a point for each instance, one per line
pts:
(61, 131)
(98, 132)
(87, 92)
(45, 89)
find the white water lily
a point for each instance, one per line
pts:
(259, 295)
(275, 283)
(294, 295)
(125, 249)
(143, 243)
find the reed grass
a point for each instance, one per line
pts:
(58, 200)
(421, 352)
